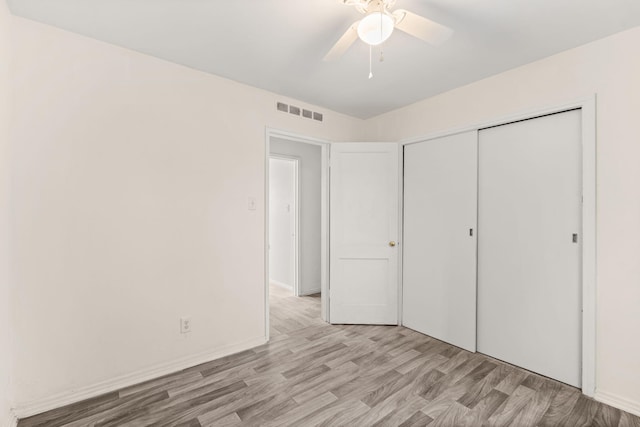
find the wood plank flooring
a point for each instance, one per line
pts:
(314, 374)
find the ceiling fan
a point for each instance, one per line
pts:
(379, 22)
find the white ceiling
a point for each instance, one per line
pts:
(278, 45)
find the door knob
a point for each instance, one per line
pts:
(392, 243)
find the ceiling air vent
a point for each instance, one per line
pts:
(297, 111)
(294, 110)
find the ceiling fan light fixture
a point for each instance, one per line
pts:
(375, 28)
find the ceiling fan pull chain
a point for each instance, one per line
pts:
(370, 62)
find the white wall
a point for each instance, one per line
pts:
(610, 68)
(131, 179)
(310, 209)
(282, 221)
(6, 345)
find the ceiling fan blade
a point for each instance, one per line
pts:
(343, 44)
(422, 28)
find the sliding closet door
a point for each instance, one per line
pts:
(439, 258)
(529, 245)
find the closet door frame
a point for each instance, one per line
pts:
(587, 105)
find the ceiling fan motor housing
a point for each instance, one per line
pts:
(369, 6)
(379, 23)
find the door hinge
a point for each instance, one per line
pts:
(574, 237)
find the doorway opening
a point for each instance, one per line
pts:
(296, 249)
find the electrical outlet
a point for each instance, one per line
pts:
(185, 325)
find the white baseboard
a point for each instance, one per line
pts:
(311, 292)
(618, 402)
(282, 285)
(11, 421)
(29, 409)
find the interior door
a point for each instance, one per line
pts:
(529, 245)
(439, 250)
(364, 233)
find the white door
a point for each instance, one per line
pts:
(363, 233)
(283, 192)
(439, 250)
(529, 245)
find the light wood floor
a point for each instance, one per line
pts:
(313, 374)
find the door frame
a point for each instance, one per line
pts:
(324, 216)
(587, 105)
(296, 217)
